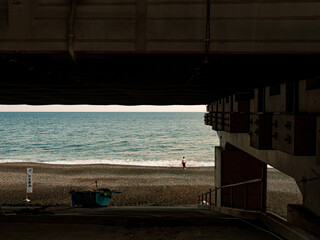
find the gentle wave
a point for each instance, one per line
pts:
(146, 139)
(130, 162)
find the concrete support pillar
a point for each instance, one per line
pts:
(310, 190)
(302, 217)
(305, 216)
(304, 169)
(233, 166)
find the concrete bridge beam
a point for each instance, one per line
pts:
(161, 26)
(303, 169)
(279, 126)
(246, 177)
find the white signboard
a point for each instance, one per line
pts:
(29, 180)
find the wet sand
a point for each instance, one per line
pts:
(139, 186)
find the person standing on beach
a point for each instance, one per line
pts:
(184, 162)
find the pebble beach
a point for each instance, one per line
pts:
(139, 186)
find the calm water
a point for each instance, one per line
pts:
(148, 139)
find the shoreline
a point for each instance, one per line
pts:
(190, 164)
(139, 185)
(97, 164)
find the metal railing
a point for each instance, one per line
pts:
(206, 198)
(203, 198)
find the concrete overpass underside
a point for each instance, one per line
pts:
(255, 63)
(136, 79)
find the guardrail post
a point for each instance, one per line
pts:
(215, 195)
(206, 203)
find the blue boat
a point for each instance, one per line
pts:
(96, 198)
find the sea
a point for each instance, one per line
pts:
(121, 138)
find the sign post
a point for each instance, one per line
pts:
(29, 183)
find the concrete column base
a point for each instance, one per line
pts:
(303, 218)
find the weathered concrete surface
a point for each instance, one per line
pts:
(129, 223)
(298, 167)
(157, 26)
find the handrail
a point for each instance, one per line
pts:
(205, 201)
(241, 183)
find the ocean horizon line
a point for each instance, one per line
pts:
(95, 112)
(101, 108)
